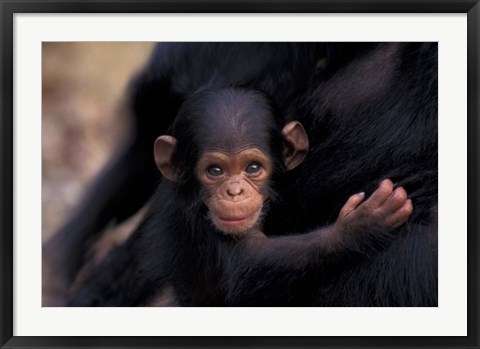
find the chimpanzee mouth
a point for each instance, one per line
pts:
(236, 224)
(233, 221)
(238, 218)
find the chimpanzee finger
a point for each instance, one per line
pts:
(380, 195)
(395, 201)
(351, 204)
(401, 215)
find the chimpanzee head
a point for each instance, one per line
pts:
(229, 142)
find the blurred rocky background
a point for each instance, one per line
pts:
(83, 119)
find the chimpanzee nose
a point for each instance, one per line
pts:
(234, 189)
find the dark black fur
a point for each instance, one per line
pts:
(213, 265)
(371, 114)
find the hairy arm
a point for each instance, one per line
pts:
(362, 229)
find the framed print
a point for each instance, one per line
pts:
(252, 175)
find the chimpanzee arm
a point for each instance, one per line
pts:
(131, 274)
(124, 185)
(360, 230)
(112, 283)
(108, 198)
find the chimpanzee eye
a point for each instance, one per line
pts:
(253, 168)
(214, 171)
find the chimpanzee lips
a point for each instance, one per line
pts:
(238, 216)
(234, 220)
(235, 217)
(232, 224)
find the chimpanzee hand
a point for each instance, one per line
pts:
(383, 211)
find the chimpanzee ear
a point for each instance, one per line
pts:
(163, 149)
(296, 144)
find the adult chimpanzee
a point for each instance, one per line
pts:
(229, 147)
(370, 111)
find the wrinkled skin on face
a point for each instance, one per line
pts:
(236, 187)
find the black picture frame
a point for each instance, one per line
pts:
(10, 7)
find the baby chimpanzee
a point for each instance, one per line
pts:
(226, 150)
